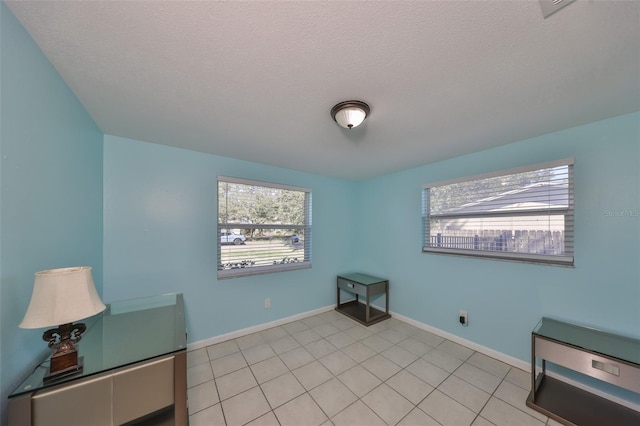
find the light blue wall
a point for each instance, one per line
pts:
(505, 300)
(50, 188)
(160, 235)
(160, 204)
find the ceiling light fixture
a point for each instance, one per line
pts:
(350, 114)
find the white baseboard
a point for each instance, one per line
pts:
(514, 362)
(256, 328)
(507, 359)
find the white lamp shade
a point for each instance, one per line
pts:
(62, 296)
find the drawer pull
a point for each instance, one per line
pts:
(607, 368)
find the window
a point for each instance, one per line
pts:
(523, 214)
(262, 227)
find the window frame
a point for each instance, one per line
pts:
(223, 273)
(568, 213)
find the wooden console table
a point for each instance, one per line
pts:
(605, 356)
(365, 286)
(135, 369)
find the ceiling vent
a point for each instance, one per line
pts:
(550, 7)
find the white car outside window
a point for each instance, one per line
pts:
(232, 238)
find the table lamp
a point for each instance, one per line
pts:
(60, 297)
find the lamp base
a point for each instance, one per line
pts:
(64, 359)
(65, 372)
(62, 339)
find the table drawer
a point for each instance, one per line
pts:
(607, 369)
(87, 402)
(154, 380)
(352, 287)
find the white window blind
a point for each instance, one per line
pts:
(262, 227)
(523, 214)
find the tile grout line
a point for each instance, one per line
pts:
(322, 338)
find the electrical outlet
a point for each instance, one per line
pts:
(267, 303)
(463, 318)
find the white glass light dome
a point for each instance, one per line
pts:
(350, 114)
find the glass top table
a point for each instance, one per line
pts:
(585, 352)
(362, 279)
(127, 332)
(590, 339)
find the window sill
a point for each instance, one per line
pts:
(259, 270)
(540, 259)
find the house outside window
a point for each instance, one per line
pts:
(524, 214)
(262, 227)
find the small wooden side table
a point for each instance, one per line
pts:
(366, 286)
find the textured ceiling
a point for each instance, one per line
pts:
(256, 80)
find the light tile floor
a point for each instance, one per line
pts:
(330, 370)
